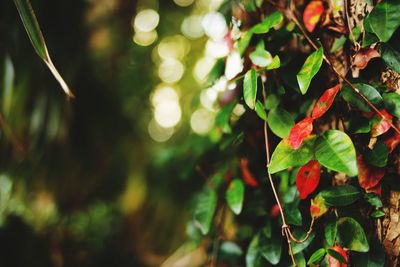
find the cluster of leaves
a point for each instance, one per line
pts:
(332, 165)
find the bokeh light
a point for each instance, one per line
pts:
(201, 121)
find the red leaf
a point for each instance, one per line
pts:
(332, 262)
(301, 130)
(369, 177)
(363, 56)
(325, 101)
(307, 178)
(248, 177)
(312, 14)
(274, 211)
(383, 125)
(392, 141)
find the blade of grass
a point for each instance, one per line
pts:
(35, 35)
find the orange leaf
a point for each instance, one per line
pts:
(307, 178)
(332, 262)
(318, 207)
(383, 125)
(312, 14)
(325, 101)
(248, 177)
(369, 177)
(300, 130)
(363, 56)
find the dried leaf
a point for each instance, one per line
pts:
(307, 178)
(325, 101)
(362, 57)
(248, 177)
(300, 130)
(312, 14)
(369, 177)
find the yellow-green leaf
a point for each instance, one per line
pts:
(310, 67)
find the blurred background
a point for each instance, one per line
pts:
(105, 179)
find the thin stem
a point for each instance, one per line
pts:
(307, 235)
(346, 12)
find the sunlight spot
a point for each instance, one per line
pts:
(145, 38)
(191, 27)
(203, 68)
(173, 47)
(215, 26)
(171, 70)
(158, 133)
(217, 49)
(146, 20)
(183, 3)
(234, 65)
(202, 121)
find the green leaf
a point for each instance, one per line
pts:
(373, 200)
(299, 234)
(271, 248)
(230, 248)
(384, 19)
(250, 88)
(260, 110)
(235, 195)
(276, 63)
(330, 233)
(374, 258)
(359, 124)
(205, 209)
(253, 254)
(335, 150)
(272, 101)
(285, 156)
(260, 57)
(317, 256)
(343, 195)
(392, 103)
(35, 35)
(367, 90)
(338, 43)
(244, 42)
(269, 22)
(300, 260)
(293, 215)
(377, 214)
(310, 67)
(378, 156)
(223, 117)
(390, 56)
(336, 255)
(351, 235)
(280, 121)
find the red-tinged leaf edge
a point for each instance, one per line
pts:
(325, 101)
(299, 132)
(383, 125)
(312, 14)
(307, 178)
(392, 141)
(369, 177)
(247, 175)
(333, 262)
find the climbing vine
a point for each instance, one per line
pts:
(308, 137)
